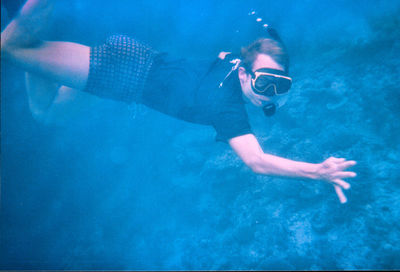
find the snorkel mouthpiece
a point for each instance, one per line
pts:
(269, 109)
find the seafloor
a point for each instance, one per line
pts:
(101, 185)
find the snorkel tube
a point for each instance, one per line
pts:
(264, 30)
(269, 109)
(250, 29)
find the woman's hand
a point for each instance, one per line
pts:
(332, 170)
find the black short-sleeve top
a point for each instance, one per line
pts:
(190, 90)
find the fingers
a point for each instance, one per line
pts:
(340, 194)
(341, 183)
(337, 159)
(341, 162)
(347, 164)
(334, 173)
(345, 174)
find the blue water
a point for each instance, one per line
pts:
(108, 186)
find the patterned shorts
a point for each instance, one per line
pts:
(119, 69)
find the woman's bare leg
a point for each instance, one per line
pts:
(63, 62)
(41, 94)
(48, 101)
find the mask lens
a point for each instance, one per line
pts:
(265, 85)
(270, 90)
(283, 86)
(270, 85)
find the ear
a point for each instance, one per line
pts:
(243, 75)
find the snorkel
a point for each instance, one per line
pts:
(270, 108)
(276, 83)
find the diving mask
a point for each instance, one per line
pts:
(270, 82)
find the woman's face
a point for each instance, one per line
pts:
(262, 61)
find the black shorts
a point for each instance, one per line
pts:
(119, 69)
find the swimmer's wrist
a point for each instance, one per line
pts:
(311, 171)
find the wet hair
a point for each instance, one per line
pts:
(275, 49)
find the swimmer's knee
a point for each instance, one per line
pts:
(13, 39)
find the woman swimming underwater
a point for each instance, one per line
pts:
(126, 70)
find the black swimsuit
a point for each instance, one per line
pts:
(125, 70)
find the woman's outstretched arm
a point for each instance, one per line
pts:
(332, 170)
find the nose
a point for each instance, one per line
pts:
(270, 90)
(263, 99)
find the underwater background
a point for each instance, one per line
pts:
(104, 185)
